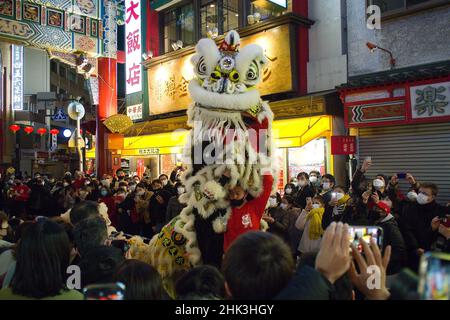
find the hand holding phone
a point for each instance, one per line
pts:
(401, 175)
(366, 233)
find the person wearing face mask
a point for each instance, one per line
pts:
(341, 208)
(420, 223)
(328, 183)
(21, 196)
(83, 193)
(277, 217)
(246, 215)
(107, 198)
(304, 190)
(168, 185)
(290, 189)
(158, 207)
(314, 179)
(310, 222)
(174, 206)
(380, 215)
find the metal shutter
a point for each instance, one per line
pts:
(420, 149)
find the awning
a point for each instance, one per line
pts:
(287, 133)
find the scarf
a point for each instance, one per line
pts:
(315, 223)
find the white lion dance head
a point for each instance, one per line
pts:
(230, 144)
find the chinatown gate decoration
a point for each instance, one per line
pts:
(228, 115)
(58, 25)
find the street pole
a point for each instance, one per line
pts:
(78, 146)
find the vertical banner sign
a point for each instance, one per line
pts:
(133, 41)
(17, 77)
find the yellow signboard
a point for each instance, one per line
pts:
(168, 81)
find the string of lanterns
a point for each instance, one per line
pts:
(29, 129)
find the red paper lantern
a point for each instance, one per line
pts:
(54, 131)
(42, 131)
(14, 128)
(28, 130)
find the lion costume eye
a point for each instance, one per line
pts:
(201, 66)
(253, 72)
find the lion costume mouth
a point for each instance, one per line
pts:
(206, 96)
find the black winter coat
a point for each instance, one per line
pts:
(302, 194)
(393, 237)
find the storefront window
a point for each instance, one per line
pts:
(310, 157)
(179, 25)
(208, 17)
(230, 15)
(268, 9)
(218, 16)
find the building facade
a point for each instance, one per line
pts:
(301, 93)
(396, 99)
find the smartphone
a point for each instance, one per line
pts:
(107, 291)
(368, 159)
(366, 233)
(333, 195)
(401, 175)
(308, 200)
(434, 276)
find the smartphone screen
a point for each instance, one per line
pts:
(107, 291)
(366, 233)
(401, 175)
(434, 274)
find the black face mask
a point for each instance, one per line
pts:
(236, 203)
(374, 216)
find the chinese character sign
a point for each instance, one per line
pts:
(133, 42)
(135, 112)
(430, 100)
(17, 77)
(343, 145)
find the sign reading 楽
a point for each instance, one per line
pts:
(17, 77)
(133, 41)
(430, 100)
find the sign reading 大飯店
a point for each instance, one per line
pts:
(133, 40)
(430, 100)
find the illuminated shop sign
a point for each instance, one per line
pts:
(17, 77)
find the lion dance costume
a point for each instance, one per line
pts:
(230, 134)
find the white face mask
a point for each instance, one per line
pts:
(326, 186)
(313, 179)
(412, 196)
(339, 196)
(272, 202)
(378, 184)
(422, 198)
(140, 193)
(65, 184)
(164, 182)
(288, 190)
(283, 206)
(132, 188)
(294, 183)
(316, 206)
(180, 190)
